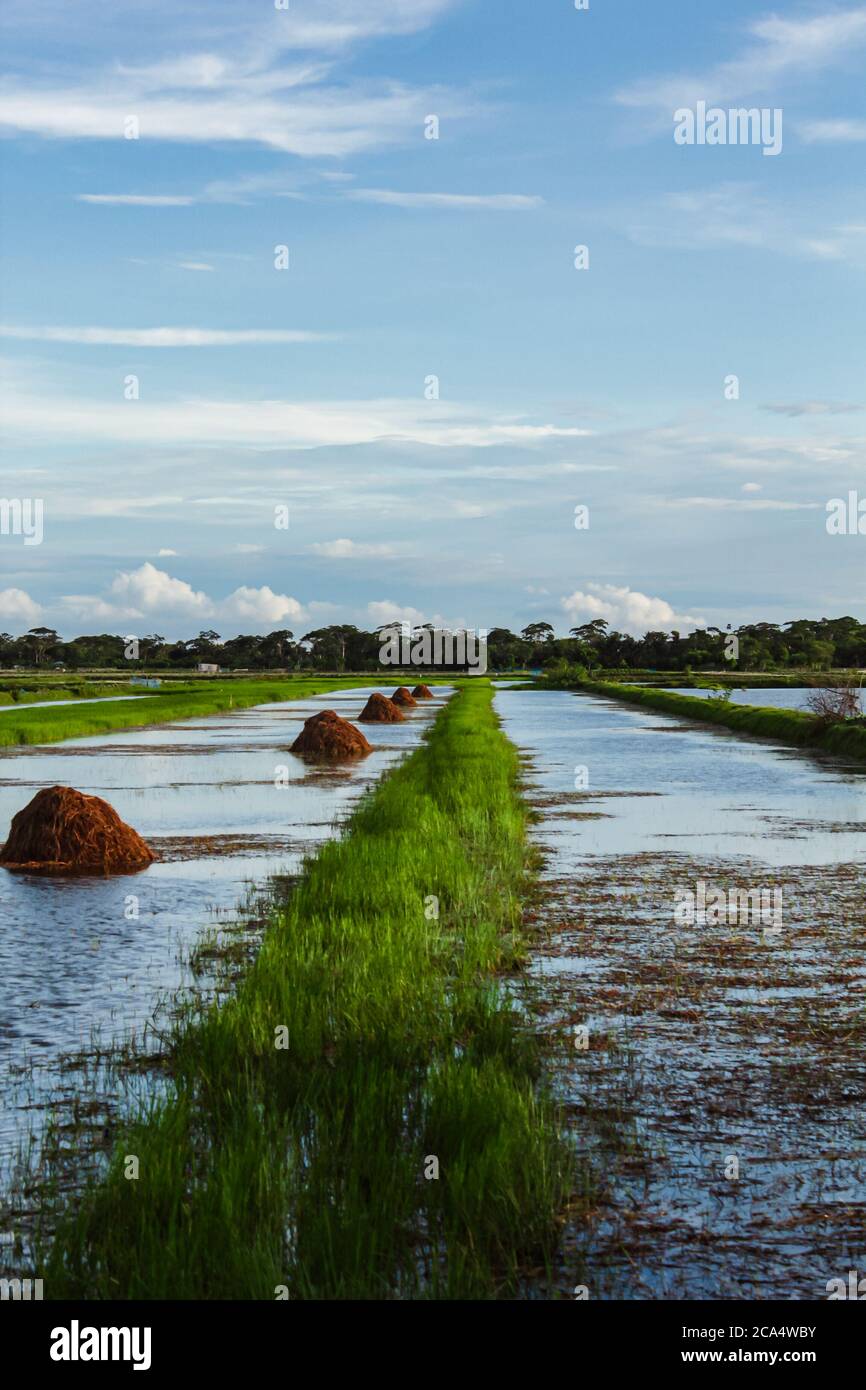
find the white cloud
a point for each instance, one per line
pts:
(260, 606)
(738, 214)
(162, 337)
(496, 202)
(834, 132)
(291, 425)
(626, 610)
(89, 608)
(194, 265)
(796, 408)
(387, 611)
(137, 200)
(382, 611)
(240, 90)
(165, 554)
(149, 590)
(738, 504)
(349, 550)
(17, 606)
(779, 49)
(752, 487)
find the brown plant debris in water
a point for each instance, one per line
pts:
(380, 710)
(327, 735)
(720, 1042)
(63, 831)
(402, 696)
(422, 692)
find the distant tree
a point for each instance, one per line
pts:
(537, 632)
(40, 641)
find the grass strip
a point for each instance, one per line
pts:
(313, 1167)
(29, 726)
(791, 726)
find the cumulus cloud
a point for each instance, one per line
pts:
(17, 606)
(260, 606)
(626, 610)
(149, 590)
(387, 611)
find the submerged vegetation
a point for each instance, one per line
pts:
(362, 1118)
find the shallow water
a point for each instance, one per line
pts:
(91, 958)
(706, 1043)
(713, 791)
(56, 704)
(779, 697)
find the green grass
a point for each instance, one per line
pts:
(191, 701)
(791, 726)
(305, 1167)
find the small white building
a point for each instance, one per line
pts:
(207, 668)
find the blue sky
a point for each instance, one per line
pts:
(409, 257)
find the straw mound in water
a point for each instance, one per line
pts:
(380, 710)
(402, 697)
(326, 735)
(422, 692)
(62, 831)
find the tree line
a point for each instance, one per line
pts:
(812, 644)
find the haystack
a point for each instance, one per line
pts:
(402, 697)
(380, 710)
(63, 831)
(422, 692)
(325, 735)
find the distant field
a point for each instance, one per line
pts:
(189, 700)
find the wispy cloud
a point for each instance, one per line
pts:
(841, 132)
(496, 202)
(777, 49)
(240, 89)
(290, 424)
(739, 214)
(352, 550)
(138, 200)
(736, 504)
(163, 337)
(797, 408)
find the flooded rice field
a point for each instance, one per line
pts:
(88, 966)
(713, 1068)
(780, 697)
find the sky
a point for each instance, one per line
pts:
(242, 282)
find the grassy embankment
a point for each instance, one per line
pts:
(791, 726)
(311, 1166)
(191, 702)
(734, 680)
